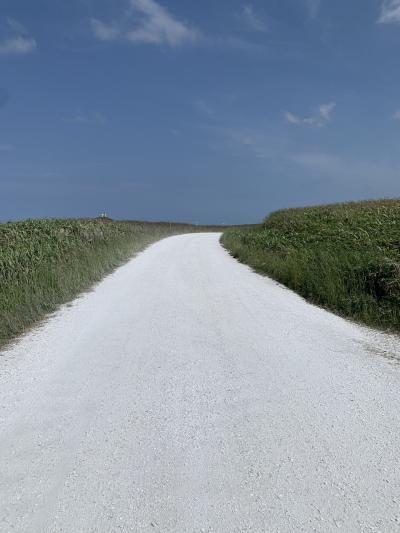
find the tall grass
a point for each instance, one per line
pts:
(345, 257)
(44, 263)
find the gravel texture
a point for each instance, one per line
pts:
(188, 394)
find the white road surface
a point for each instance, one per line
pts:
(187, 394)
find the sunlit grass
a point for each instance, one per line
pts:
(44, 263)
(345, 257)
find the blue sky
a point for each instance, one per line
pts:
(204, 111)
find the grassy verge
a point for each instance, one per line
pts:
(345, 257)
(44, 263)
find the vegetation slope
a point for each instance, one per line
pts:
(345, 257)
(44, 263)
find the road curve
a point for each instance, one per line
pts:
(187, 394)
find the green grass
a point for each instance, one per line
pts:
(44, 263)
(344, 257)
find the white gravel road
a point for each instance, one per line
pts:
(188, 394)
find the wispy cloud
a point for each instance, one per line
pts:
(318, 161)
(322, 116)
(251, 20)
(6, 147)
(291, 118)
(252, 141)
(261, 144)
(17, 46)
(18, 41)
(396, 115)
(278, 151)
(92, 117)
(204, 108)
(390, 12)
(325, 110)
(146, 22)
(313, 7)
(105, 32)
(16, 26)
(347, 170)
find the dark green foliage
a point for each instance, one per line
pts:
(44, 263)
(345, 257)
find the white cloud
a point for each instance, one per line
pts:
(18, 42)
(390, 12)
(17, 45)
(291, 118)
(325, 110)
(153, 24)
(396, 115)
(158, 26)
(251, 20)
(319, 119)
